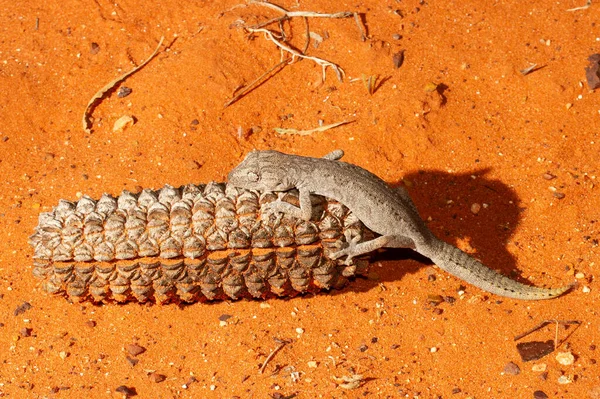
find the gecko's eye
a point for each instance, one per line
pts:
(253, 177)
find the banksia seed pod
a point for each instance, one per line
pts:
(192, 243)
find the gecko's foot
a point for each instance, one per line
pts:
(350, 250)
(279, 207)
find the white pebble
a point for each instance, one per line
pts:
(565, 358)
(563, 379)
(433, 349)
(586, 289)
(300, 330)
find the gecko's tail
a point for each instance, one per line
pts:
(465, 267)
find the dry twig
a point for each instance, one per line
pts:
(296, 54)
(281, 130)
(255, 83)
(282, 343)
(587, 5)
(86, 123)
(545, 323)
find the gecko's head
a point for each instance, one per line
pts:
(262, 170)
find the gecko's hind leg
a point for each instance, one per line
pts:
(356, 248)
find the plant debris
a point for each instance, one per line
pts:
(323, 128)
(349, 382)
(86, 122)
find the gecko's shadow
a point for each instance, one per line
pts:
(446, 202)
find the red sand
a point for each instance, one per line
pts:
(486, 135)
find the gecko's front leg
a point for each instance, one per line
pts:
(304, 212)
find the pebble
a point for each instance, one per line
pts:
(22, 308)
(94, 48)
(475, 208)
(90, 323)
(534, 350)
(512, 369)
(539, 368)
(155, 377)
(126, 391)
(124, 92)
(548, 176)
(63, 355)
(563, 379)
(132, 361)
(312, 364)
(26, 332)
(565, 358)
(579, 275)
(586, 289)
(559, 195)
(300, 330)
(433, 349)
(540, 395)
(135, 349)
(123, 123)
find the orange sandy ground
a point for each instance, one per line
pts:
(486, 135)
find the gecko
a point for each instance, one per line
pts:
(388, 211)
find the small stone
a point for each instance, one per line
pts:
(26, 332)
(126, 391)
(63, 355)
(475, 208)
(363, 348)
(299, 330)
(124, 92)
(540, 395)
(90, 323)
(548, 176)
(564, 379)
(132, 362)
(456, 390)
(535, 350)
(565, 358)
(559, 195)
(22, 308)
(225, 317)
(135, 349)
(434, 299)
(396, 36)
(430, 87)
(398, 59)
(568, 105)
(512, 369)
(94, 48)
(312, 364)
(433, 349)
(264, 305)
(195, 122)
(579, 275)
(586, 289)
(539, 368)
(123, 123)
(157, 378)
